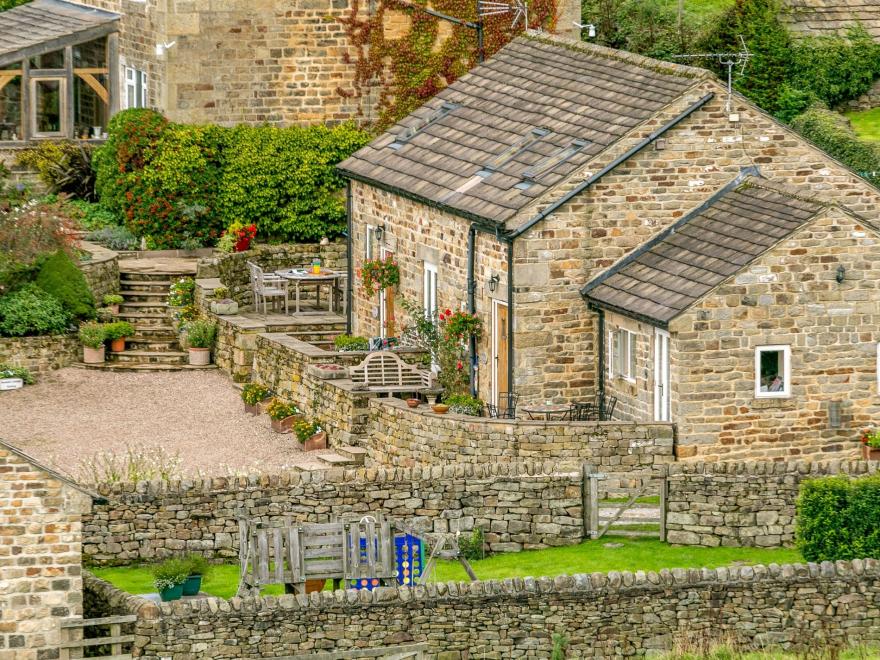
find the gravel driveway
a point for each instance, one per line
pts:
(75, 414)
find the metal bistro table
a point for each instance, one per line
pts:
(548, 410)
(298, 276)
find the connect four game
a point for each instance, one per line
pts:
(409, 558)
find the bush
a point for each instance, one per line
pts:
(118, 330)
(92, 334)
(839, 518)
(170, 573)
(832, 132)
(26, 236)
(138, 463)
(8, 371)
(64, 166)
(89, 216)
(464, 404)
(198, 565)
(60, 277)
(31, 311)
(473, 547)
(114, 238)
(182, 292)
(253, 393)
(112, 299)
(201, 334)
(345, 343)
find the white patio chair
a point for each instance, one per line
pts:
(267, 286)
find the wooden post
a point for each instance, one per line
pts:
(590, 492)
(664, 492)
(26, 100)
(68, 126)
(113, 72)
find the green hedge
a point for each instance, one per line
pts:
(833, 133)
(178, 184)
(31, 311)
(59, 277)
(839, 518)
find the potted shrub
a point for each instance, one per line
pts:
(871, 444)
(464, 404)
(310, 435)
(112, 302)
(198, 569)
(346, 343)
(169, 577)
(222, 303)
(117, 333)
(200, 337)
(253, 394)
(283, 415)
(92, 336)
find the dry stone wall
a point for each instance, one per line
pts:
(801, 606)
(402, 436)
(522, 506)
(741, 504)
(101, 270)
(41, 355)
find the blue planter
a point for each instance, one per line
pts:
(172, 593)
(193, 585)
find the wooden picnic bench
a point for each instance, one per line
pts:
(383, 371)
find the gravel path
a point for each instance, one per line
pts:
(75, 414)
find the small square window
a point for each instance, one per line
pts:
(772, 371)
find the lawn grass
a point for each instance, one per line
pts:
(866, 124)
(588, 557)
(702, 9)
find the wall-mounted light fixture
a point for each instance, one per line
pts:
(493, 282)
(834, 414)
(163, 47)
(841, 274)
(380, 232)
(591, 29)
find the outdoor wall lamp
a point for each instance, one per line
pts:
(380, 232)
(493, 282)
(841, 274)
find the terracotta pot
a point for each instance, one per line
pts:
(413, 403)
(870, 453)
(117, 345)
(284, 425)
(93, 355)
(200, 357)
(317, 441)
(440, 408)
(114, 309)
(313, 586)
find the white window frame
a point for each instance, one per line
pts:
(878, 367)
(785, 349)
(622, 354)
(430, 277)
(131, 79)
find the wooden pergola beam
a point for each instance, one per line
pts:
(92, 82)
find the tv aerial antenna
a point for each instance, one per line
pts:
(519, 9)
(730, 60)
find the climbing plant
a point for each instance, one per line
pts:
(410, 69)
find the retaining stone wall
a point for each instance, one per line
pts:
(741, 504)
(41, 354)
(402, 436)
(101, 270)
(523, 506)
(801, 606)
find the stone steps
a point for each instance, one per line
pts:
(335, 460)
(146, 318)
(148, 357)
(121, 366)
(147, 344)
(355, 454)
(140, 307)
(145, 286)
(154, 297)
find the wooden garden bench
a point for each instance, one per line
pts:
(383, 371)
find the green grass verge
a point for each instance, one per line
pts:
(866, 124)
(588, 557)
(648, 499)
(702, 9)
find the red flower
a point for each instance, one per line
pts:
(448, 312)
(459, 365)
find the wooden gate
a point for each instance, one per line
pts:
(74, 644)
(635, 507)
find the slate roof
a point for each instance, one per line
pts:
(45, 25)
(678, 267)
(574, 92)
(832, 16)
(5, 446)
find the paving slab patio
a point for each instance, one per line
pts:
(75, 414)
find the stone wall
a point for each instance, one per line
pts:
(40, 354)
(401, 436)
(234, 272)
(101, 270)
(741, 504)
(803, 607)
(40, 557)
(521, 506)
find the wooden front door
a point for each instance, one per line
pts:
(500, 382)
(386, 303)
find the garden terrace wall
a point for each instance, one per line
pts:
(742, 503)
(800, 606)
(42, 354)
(234, 273)
(101, 270)
(402, 436)
(522, 506)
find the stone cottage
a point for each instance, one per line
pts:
(525, 180)
(40, 555)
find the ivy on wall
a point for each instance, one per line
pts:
(409, 70)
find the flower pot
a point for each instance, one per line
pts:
(327, 371)
(413, 403)
(199, 357)
(117, 345)
(257, 408)
(440, 408)
(93, 355)
(171, 593)
(192, 586)
(284, 425)
(870, 453)
(114, 309)
(313, 586)
(224, 308)
(317, 441)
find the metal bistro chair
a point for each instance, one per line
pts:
(601, 410)
(267, 286)
(506, 408)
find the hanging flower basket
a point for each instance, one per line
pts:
(379, 274)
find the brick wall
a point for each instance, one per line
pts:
(402, 436)
(519, 506)
(40, 560)
(801, 607)
(736, 503)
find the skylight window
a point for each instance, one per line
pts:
(411, 131)
(516, 148)
(553, 161)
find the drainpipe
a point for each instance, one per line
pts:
(600, 380)
(472, 304)
(349, 259)
(510, 352)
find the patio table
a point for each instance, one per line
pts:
(548, 410)
(298, 276)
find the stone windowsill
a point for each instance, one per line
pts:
(787, 403)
